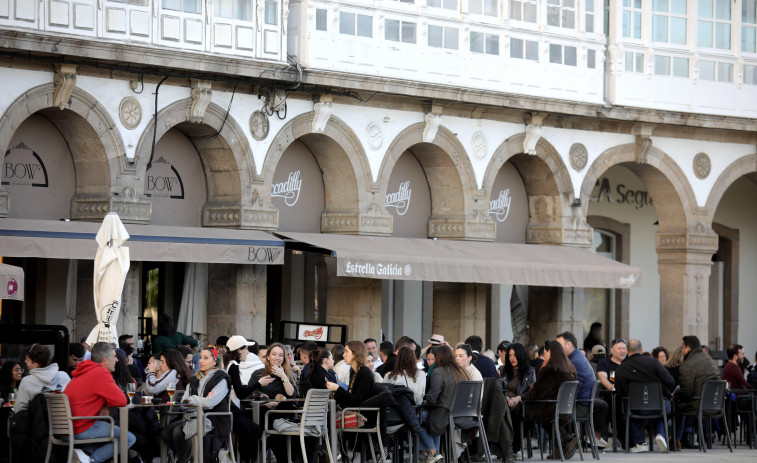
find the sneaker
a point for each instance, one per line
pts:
(82, 456)
(601, 443)
(570, 448)
(436, 458)
(639, 448)
(662, 444)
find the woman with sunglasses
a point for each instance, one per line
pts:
(209, 388)
(464, 358)
(42, 375)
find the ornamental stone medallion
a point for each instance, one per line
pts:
(702, 166)
(479, 145)
(375, 136)
(259, 125)
(130, 112)
(578, 156)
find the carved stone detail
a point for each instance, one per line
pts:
(615, 52)
(65, 81)
(702, 165)
(226, 215)
(643, 143)
(201, 96)
(375, 136)
(533, 131)
(128, 205)
(696, 241)
(571, 232)
(130, 112)
(372, 222)
(259, 125)
(578, 156)
(479, 145)
(322, 110)
(5, 203)
(433, 121)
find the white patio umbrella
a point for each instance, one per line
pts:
(111, 266)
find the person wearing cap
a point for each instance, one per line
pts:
(607, 366)
(598, 352)
(239, 370)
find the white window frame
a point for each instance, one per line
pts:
(451, 5)
(720, 69)
(446, 31)
(481, 8)
(401, 29)
(563, 9)
(672, 62)
(590, 12)
(519, 8)
(749, 26)
(709, 20)
(524, 49)
(670, 17)
(634, 13)
(485, 37)
(563, 49)
(355, 24)
(634, 62)
(219, 6)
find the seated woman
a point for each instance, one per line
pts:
(209, 388)
(248, 433)
(406, 373)
(307, 352)
(324, 371)
(556, 369)
(447, 373)
(170, 369)
(10, 377)
(360, 380)
(42, 375)
(517, 377)
(464, 358)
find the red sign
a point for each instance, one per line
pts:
(12, 287)
(316, 333)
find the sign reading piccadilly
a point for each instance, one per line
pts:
(289, 190)
(500, 207)
(378, 269)
(23, 166)
(400, 200)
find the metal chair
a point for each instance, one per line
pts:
(376, 429)
(466, 403)
(565, 404)
(590, 419)
(62, 425)
(711, 404)
(313, 422)
(230, 441)
(645, 397)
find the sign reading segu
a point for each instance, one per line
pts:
(376, 270)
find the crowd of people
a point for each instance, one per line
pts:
(222, 376)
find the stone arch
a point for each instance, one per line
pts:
(451, 195)
(94, 141)
(344, 166)
(739, 168)
(226, 158)
(671, 191)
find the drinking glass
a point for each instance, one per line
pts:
(131, 389)
(171, 389)
(12, 398)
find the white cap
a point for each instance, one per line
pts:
(236, 342)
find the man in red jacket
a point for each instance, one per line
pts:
(91, 390)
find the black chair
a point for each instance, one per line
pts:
(712, 404)
(565, 404)
(590, 419)
(744, 408)
(465, 413)
(645, 397)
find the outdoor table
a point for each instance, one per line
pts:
(123, 423)
(613, 398)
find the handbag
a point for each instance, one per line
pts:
(351, 420)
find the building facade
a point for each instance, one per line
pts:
(624, 127)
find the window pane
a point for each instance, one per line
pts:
(435, 34)
(570, 56)
(637, 25)
(662, 65)
(451, 40)
(553, 16)
(639, 62)
(515, 11)
(491, 7)
(748, 39)
(707, 70)
(532, 50)
(172, 4)
(434, 3)
(243, 10)
(450, 4)
(223, 8)
(589, 23)
(364, 25)
(637, 4)
(659, 28)
(678, 6)
(408, 32)
(704, 34)
(750, 75)
(271, 13)
(705, 9)
(725, 72)
(660, 5)
(321, 19)
(678, 30)
(629, 62)
(723, 9)
(723, 36)
(569, 19)
(589, 5)
(529, 13)
(681, 67)
(626, 23)
(474, 6)
(346, 23)
(477, 42)
(191, 6)
(749, 11)
(516, 48)
(555, 53)
(392, 30)
(492, 44)
(591, 59)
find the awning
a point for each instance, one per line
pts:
(470, 261)
(76, 240)
(11, 282)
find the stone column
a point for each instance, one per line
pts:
(684, 262)
(128, 319)
(237, 301)
(355, 302)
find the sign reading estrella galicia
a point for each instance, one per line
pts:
(289, 190)
(500, 207)
(378, 269)
(400, 199)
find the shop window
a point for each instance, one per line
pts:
(589, 11)
(187, 6)
(234, 9)
(271, 13)
(562, 54)
(443, 37)
(634, 62)
(523, 10)
(445, 4)
(321, 19)
(714, 24)
(749, 26)
(750, 75)
(669, 21)
(715, 71)
(399, 31)
(632, 19)
(355, 24)
(481, 42)
(484, 7)
(561, 13)
(524, 49)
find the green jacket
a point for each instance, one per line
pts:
(162, 343)
(697, 368)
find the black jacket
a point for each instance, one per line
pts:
(319, 377)
(497, 420)
(387, 366)
(360, 390)
(404, 411)
(485, 366)
(640, 369)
